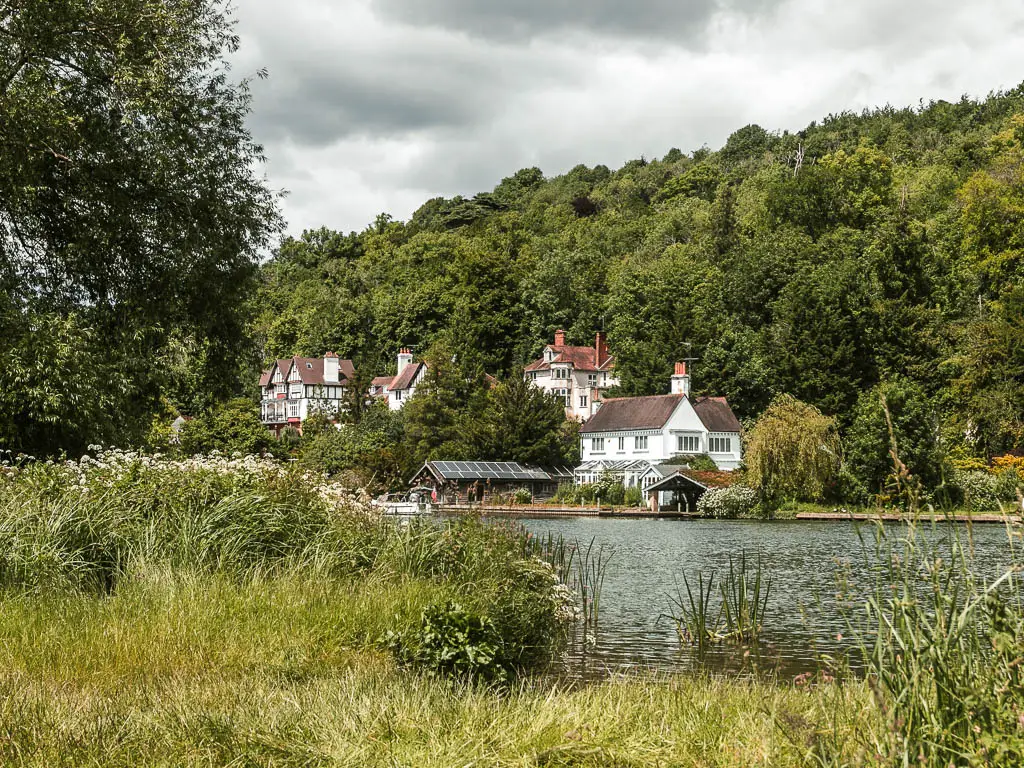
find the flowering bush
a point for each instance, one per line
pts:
(734, 501)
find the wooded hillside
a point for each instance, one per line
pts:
(871, 250)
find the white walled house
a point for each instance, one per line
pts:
(628, 435)
(402, 386)
(292, 389)
(579, 375)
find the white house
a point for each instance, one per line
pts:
(628, 435)
(579, 375)
(292, 389)
(400, 387)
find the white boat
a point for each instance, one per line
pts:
(414, 502)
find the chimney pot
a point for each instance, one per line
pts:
(680, 369)
(600, 349)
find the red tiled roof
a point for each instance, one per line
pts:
(582, 359)
(311, 370)
(716, 415)
(405, 379)
(621, 413)
(711, 478)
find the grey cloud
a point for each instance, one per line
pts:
(322, 98)
(672, 20)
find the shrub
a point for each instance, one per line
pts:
(978, 490)
(453, 641)
(633, 496)
(700, 462)
(521, 496)
(734, 501)
(233, 427)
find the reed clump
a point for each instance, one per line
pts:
(736, 616)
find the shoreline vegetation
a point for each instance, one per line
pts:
(240, 611)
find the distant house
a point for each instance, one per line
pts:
(628, 435)
(292, 389)
(578, 375)
(399, 388)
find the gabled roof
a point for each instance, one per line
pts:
(622, 413)
(703, 479)
(716, 415)
(405, 379)
(582, 359)
(311, 370)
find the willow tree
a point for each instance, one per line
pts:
(793, 451)
(131, 214)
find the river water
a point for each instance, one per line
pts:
(809, 563)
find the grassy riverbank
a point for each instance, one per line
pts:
(237, 612)
(203, 671)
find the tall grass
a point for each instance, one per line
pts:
(736, 617)
(204, 670)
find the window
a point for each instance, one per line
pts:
(309, 366)
(720, 444)
(281, 389)
(560, 373)
(622, 444)
(688, 443)
(398, 394)
(564, 394)
(640, 443)
(583, 401)
(591, 380)
(597, 444)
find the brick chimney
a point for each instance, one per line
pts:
(559, 338)
(600, 349)
(404, 358)
(332, 368)
(681, 380)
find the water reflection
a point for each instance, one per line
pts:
(813, 565)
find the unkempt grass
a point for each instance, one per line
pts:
(207, 671)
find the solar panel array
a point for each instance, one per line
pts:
(486, 470)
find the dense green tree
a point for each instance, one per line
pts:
(130, 205)
(232, 427)
(894, 412)
(522, 423)
(793, 452)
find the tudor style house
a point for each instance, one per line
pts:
(628, 435)
(579, 375)
(292, 389)
(402, 386)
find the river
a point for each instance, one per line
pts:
(807, 562)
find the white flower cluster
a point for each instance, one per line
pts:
(107, 465)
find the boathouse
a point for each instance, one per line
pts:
(466, 482)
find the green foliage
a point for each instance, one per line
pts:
(133, 216)
(370, 454)
(452, 641)
(523, 423)
(731, 502)
(914, 425)
(233, 427)
(792, 452)
(867, 252)
(945, 648)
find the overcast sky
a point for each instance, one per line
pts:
(378, 105)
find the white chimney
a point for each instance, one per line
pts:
(404, 358)
(332, 368)
(681, 380)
